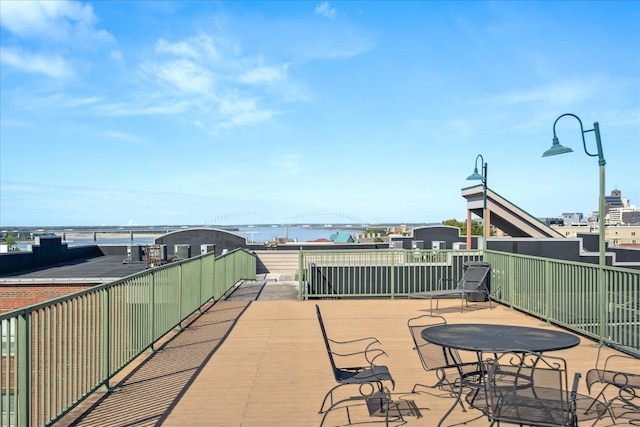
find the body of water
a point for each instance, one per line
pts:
(252, 234)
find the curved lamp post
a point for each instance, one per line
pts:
(475, 176)
(556, 148)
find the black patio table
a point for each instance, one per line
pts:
(497, 338)
(494, 338)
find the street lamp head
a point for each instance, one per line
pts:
(475, 176)
(556, 148)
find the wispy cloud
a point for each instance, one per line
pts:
(288, 164)
(122, 136)
(52, 66)
(559, 93)
(220, 88)
(324, 9)
(53, 21)
(183, 75)
(264, 75)
(196, 48)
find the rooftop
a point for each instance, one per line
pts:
(257, 358)
(95, 269)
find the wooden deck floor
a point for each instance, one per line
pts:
(271, 368)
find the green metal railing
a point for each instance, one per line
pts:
(378, 273)
(602, 304)
(56, 353)
(575, 295)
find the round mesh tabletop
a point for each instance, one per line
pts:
(498, 338)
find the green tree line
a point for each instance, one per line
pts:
(476, 227)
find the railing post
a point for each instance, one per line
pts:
(106, 338)
(393, 272)
(24, 369)
(511, 276)
(180, 294)
(202, 269)
(152, 310)
(603, 303)
(547, 290)
(300, 273)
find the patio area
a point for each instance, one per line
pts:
(262, 362)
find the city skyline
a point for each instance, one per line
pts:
(148, 113)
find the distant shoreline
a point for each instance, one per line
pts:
(109, 235)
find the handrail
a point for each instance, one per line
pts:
(568, 294)
(56, 353)
(565, 293)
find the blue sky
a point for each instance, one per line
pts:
(148, 113)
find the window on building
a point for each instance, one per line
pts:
(8, 336)
(8, 405)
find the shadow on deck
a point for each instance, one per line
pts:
(255, 360)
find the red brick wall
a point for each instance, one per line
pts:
(14, 296)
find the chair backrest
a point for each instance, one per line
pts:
(528, 388)
(432, 356)
(326, 339)
(474, 277)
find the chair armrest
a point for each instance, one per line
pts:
(370, 355)
(445, 280)
(371, 340)
(619, 358)
(615, 378)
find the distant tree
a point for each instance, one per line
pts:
(10, 240)
(476, 228)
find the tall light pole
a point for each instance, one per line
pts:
(475, 176)
(556, 148)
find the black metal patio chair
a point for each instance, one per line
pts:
(472, 282)
(618, 378)
(446, 363)
(368, 376)
(528, 388)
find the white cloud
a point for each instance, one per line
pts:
(122, 136)
(151, 107)
(324, 9)
(116, 55)
(59, 21)
(183, 75)
(52, 66)
(264, 75)
(560, 93)
(195, 48)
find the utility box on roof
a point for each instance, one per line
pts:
(182, 251)
(437, 245)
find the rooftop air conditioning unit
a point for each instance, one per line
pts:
(459, 245)
(396, 244)
(182, 251)
(206, 248)
(437, 245)
(134, 253)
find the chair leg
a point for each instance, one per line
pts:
(332, 404)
